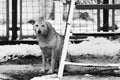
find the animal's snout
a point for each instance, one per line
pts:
(39, 31)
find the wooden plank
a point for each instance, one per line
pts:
(7, 19)
(29, 36)
(20, 19)
(113, 15)
(18, 42)
(98, 6)
(105, 17)
(97, 34)
(14, 20)
(98, 17)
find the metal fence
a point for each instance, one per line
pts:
(89, 18)
(93, 16)
(4, 19)
(32, 9)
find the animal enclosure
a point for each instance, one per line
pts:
(89, 18)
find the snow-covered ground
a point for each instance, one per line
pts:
(14, 51)
(47, 77)
(94, 46)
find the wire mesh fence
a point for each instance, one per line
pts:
(3, 18)
(88, 20)
(32, 9)
(56, 12)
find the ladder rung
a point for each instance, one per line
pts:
(98, 6)
(92, 65)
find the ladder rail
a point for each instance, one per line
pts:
(66, 40)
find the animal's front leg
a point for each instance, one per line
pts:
(53, 59)
(43, 62)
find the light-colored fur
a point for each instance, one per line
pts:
(49, 41)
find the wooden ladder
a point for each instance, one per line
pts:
(66, 40)
(67, 37)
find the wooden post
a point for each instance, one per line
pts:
(113, 16)
(105, 17)
(20, 19)
(98, 17)
(14, 19)
(7, 21)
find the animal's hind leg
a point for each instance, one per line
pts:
(57, 62)
(58, 57)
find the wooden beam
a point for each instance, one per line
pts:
(98, 6)
(20, 35)
(105, 17)
(7, 19)
(98, 17)
(66, 40)
(113, 16)
(18, 42)
(97, 34)
(14, 20)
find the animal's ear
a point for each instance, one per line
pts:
(31, 22)
(41, 18)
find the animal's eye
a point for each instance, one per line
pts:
(36, 25)
(43, 26)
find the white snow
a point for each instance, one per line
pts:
(5, 77)
(46, 77)
(19, 50)
(95, 46)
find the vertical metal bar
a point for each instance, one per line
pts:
(98, 17)
(7, 19)
(20, 19)
(113, 16)
(44, 7)
(58, 14)
(105, 17)
(14, 20)
(39, 7)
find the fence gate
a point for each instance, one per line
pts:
(4, 19)
(8, 19)
(15, 15)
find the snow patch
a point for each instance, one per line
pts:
(20, 50)
(46, 77)
(95, 46)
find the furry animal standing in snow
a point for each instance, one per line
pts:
(49, 41)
